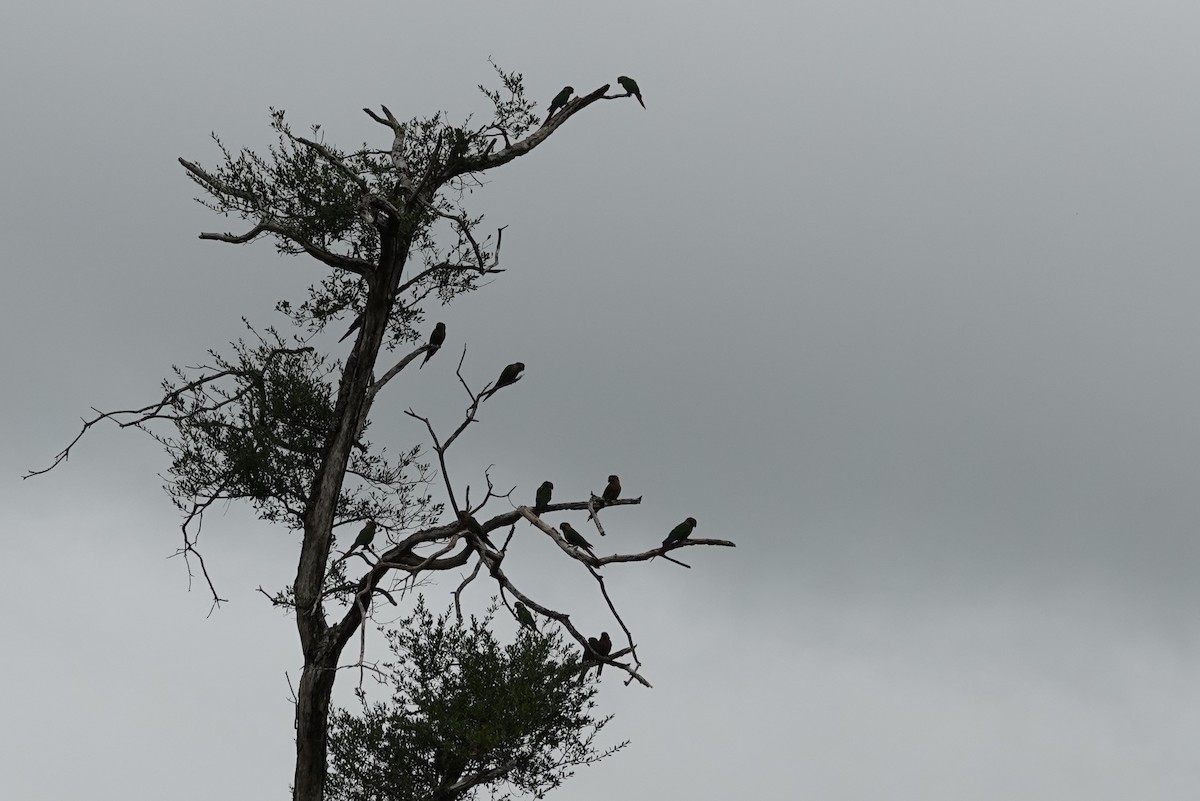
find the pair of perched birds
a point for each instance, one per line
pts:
(678, 534)
(509, 375)
(601, 646)
(541, 499)
(598, 647)
(562, 98)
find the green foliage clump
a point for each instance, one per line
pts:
(467, 713)
(261, 437)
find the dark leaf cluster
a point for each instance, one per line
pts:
(467, 713)
(255, 428)
(312, 197)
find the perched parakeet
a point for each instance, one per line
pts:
(613, 490)
(472, 525)
(435, 341)
(509, 375)
(573, 537)
(560, 100)
(365, 536)
(524, 616)
(542, 500)
(598, 647)
(680, 532)
(631, 88)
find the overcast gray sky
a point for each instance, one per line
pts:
(901, 297)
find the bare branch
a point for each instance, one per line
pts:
(595, 518)
(364, 610)
(214, 184)
(518, 149)
(373, 390)
(155, 411)
(379, 119)
(236, 239)
(637, 663)
(426, 562)
(188, 550)
(274, 601)
(399, 131)
(481, 777)
(570, 550)
(356, 266)
(440, 450)
(563, 619)
(463, 586)
(347, 263)
(465, 229)
(403, 557)
(661, 550)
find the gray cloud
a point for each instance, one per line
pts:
(900, 299)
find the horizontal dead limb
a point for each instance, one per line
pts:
(156, 411)
(337, 260)
(214, 184)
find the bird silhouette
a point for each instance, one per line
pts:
(472, 525)
(597, 647)
(509, 375)
(680, 532)
(542, 500)
(436, 338)
(524, 616)
(559, 101)
(611, 491)
(365, 536)
(589, 653)
(573, 537)
(631, 88)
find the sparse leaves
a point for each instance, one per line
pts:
(258, 434)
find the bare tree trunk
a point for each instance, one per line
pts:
(322, 645)
(312, 730)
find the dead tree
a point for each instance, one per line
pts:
(284, 427)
